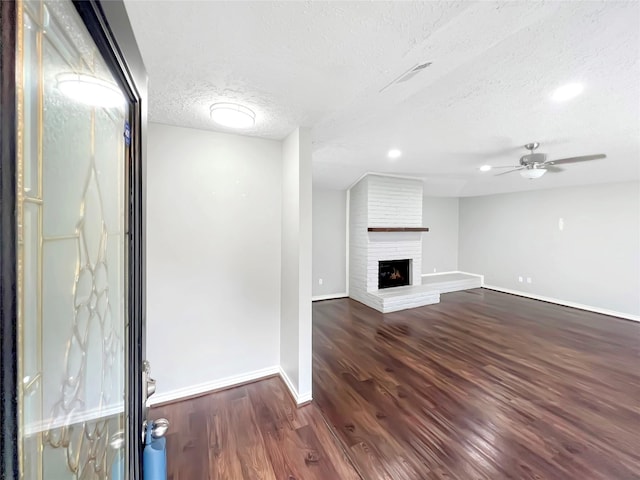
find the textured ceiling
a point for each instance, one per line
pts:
(487, 92)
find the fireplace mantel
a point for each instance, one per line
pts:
(397, 229)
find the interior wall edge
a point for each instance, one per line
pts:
(298, 398)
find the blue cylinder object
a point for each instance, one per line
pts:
(117, 469)
(154, 457)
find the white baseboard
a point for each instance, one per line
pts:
(306, 398)
(329, 296)
(212, 386)
(299, 399)
(456, 271)
(565, 303)
(230, 382)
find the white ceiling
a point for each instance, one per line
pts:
(323, 64)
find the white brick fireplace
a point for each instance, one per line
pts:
(386, 203)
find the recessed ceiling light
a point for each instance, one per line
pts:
(567, 92)
(90, 90)
(485, 168)
(394, 153)
(232, 115)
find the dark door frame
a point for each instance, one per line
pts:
(111, 30)
(8, 274)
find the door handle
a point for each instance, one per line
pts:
(148, 386)
(151, 386)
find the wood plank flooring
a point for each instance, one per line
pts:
(251, 432)
(484, 385)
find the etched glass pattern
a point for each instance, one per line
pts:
(72, 255)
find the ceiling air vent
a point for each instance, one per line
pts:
(407, 75)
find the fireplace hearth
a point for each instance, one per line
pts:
(394, 273)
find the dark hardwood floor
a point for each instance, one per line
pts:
(484, 385)
(251, 432)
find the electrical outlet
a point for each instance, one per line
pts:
(520, 279)
(528, 279)
(561, 224)
(320, 281)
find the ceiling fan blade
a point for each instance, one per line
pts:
(553, 168)
(506, 166)
(509, 171)
(584, 158)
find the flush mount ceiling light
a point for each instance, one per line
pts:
(394, 153)
(485, 168)
(232, 115)
(567, 92)
(532, 173)
(90, 90)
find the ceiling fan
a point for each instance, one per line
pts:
(534, 165)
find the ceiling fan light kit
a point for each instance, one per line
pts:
(532, 173)
(534, 165)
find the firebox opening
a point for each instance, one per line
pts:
(394, 273)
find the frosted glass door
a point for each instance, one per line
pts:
(72, 250)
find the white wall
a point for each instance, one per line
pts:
(329, 242)
(440, 243)
(295, 331)
(213, 256)
(594, 260)
(358, 239)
